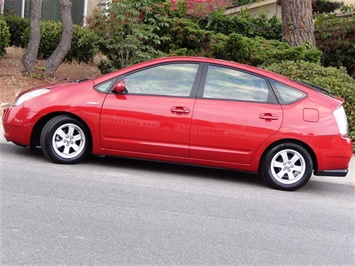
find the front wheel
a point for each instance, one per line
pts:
(287, 166)
(64, 140)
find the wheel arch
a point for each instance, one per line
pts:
(36, 131)
(293, 141)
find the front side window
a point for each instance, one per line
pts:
(231, 84)
(168, 80)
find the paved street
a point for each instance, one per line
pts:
(120, 211)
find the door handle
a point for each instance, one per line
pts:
(268, 116)
(180, 110)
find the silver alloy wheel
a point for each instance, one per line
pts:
(288, 166)
(68, 141)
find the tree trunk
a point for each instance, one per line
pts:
(297, 22)
(54, 61)
(29, 59)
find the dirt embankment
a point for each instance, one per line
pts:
(13, 81)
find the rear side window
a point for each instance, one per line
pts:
(287, 94)
(231, 84)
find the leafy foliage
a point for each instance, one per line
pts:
(259, 51)
(83, 47)
(126, 32)
(242, 2)
(200, 8)
(244, 23)
(261, 25)
(4, 37)
(336, 38)
(184, 37)
(325, 6)
(334, 79)
(17, 27)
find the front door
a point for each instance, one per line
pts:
(154, 115)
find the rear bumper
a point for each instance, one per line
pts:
(340, 172)
(333, 154)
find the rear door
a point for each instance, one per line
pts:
(154, 115)
(234, 113)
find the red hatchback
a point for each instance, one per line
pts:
(190, 110)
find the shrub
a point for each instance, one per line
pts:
(336, 38)
(83, 47)
(335, 79)
(50, 37)
(17, 27)
(261, 25)
(244, 23)
(184, 35)
(4, 37)
(259, 51)
(123, 38)
(217, 22)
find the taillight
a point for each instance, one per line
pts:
(342, 121)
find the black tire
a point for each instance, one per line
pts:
(287, 166)
(65, 140)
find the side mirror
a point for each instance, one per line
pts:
(120, 87)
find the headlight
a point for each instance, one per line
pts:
(30, 95)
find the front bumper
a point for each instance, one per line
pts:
(17, 123)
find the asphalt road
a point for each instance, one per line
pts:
(119, 211)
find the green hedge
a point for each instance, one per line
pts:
(183, 37)
(244, 23)
(259, 51)
(336, 38)
(17, 27)
(83, 48)
(4, 37)
(335, 79)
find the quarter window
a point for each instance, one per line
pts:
(167, 80)
(231, 84)
(286, 94)
(104, 86)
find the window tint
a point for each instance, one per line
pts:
(286, 94)
(230, 84)
(169, 80)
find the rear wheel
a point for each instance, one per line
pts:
(64, 140)
(287, 166)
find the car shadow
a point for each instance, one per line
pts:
(185, 171)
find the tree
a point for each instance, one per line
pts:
(29, 59)
(127, 32)
(54, 61)
(201, 8)
(325, 6)
(297, 22)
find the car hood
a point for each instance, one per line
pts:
(55, 86)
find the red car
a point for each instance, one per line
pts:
(190, 110)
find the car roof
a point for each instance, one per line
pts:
(190, 59)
